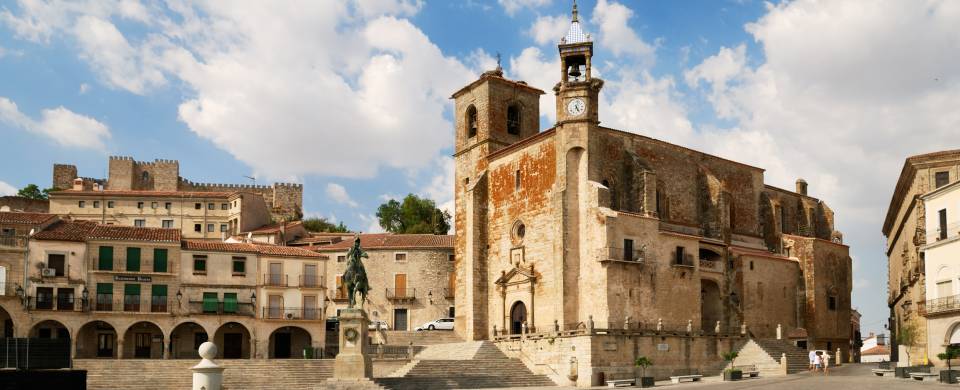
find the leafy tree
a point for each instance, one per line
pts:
(321, 224)
(907, 337)
(32, 191)
(643, 362)
(413, 215)
(950, 354)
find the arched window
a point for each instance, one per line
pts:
(471, 121)
(513, 119)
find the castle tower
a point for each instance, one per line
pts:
(491, 113)
(577, 92)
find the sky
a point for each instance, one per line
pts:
(351, 97)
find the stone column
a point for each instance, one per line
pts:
(166, 349)
(119, 347)
(207, 375)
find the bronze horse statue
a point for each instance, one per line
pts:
(355, 276)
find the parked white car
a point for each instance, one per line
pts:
(379, 324)
(442, 323)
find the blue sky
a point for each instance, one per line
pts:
(351, 97)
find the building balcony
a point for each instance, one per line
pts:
(310, 281)
(13, 241)
(276, 280)
(401, 294)
(292, 313)
(131, 304)
(220, 308)
(934, 307)
(341, 295)
(56, 303)
(621, 255)
(711, 265)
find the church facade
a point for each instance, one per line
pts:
(584, 225)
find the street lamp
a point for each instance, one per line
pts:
(179, 298)
(430, 296)
(253, 298)
(85, 294)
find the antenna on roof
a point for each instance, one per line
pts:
(253, 179)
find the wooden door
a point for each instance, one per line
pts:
(400, 284)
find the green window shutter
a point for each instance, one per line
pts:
(106, 258)
(210, 302)
(159, 290)
(104, 288)
(131, 289)
(159, 260)
(239, 265)
(133, 259)
(229, 302)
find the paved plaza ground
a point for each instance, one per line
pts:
(848, 377)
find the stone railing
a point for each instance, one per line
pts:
(627, 327)
(711, 265)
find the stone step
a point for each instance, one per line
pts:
(175, 374)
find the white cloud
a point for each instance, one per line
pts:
(84, 88)
(616, 35)
(339, 194)
(363, 82)
(6, 189)
(549, 29)
(539, 72)
(512, 6)
(372, 223)
(60, 124)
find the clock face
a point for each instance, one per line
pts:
(576, 107)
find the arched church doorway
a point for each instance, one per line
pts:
(711, 309)
(518, 315)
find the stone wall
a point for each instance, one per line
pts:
(584, 360)
(26, 205)
(63, 175)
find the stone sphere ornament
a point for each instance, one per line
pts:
(208, 350)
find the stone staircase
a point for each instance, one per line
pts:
(470, 365)
(765, 355)
(175, 374)
(432, 337)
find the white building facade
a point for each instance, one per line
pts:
(941, 256)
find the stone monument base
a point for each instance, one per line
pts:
(350, 384)
(353, 361)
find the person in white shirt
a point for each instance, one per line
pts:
(826, 363)
(817, 362)
(813, 357)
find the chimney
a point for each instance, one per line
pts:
(78, 184)
(801, 186)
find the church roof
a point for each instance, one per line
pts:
(575, 34)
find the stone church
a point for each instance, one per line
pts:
(584, 225)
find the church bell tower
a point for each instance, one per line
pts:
(578, 91)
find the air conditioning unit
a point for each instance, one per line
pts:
(48, 272)
(289, 316)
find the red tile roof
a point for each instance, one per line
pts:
(389, 241)
(132, 233)
(878, 350)
(25, 218)
(141, 193)
(263, 249)
(273, 228)
(66, 231)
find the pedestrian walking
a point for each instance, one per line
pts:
(813, 356)
(817, 361)
(826, 363)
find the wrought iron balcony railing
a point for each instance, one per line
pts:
(292, 313)
(311, 281)
(939, 305)
(275, 280)
(401, 293)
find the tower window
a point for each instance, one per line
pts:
(513, 119)
(471, 121)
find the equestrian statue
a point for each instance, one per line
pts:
(355, 277)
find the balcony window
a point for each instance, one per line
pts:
(158, 298)
(58, 263)
(210, 302)
(44, 298)
(159, 260)
(104, 296)
(131, 297)
(105, 261)
(229, 302)
(628, 250)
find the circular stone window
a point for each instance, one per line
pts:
(519, 230)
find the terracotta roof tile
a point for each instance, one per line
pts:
(66, 231)
(263, 249)
(25, 218)
(132, 233)
(273, 228)
(388, 240)
(878, 350)
(141, 193)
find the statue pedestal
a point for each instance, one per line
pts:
(353, 360)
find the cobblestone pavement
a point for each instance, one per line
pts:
(847, 377)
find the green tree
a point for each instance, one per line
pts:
(950, 354)
(413, 215)
(907, 337)
(321, 224)
(32, 191)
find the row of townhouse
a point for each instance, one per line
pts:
(132, 292)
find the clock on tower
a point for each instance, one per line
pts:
(577, 91)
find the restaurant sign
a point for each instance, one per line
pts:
(132, 278)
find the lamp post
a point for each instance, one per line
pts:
(85, 295)
(430, 296)
(179, 298)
